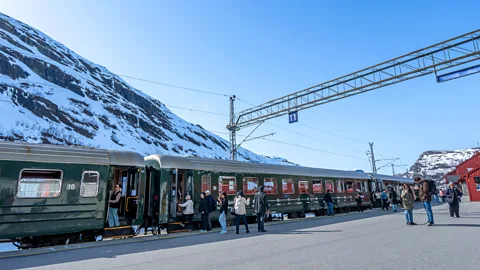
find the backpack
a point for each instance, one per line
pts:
(432, 187)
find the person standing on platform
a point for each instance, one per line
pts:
(223, 212)
(359, 201)
(453, 196)
(261, 207)
(211, 206)
(328, 199)
(203, 209)
(425, 196)
(114, 201)
(384, 198)
(393, 199)
(241, 210)
(408, 203)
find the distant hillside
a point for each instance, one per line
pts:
(49, 94)
(435, 164)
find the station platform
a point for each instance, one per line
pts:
(371, 240)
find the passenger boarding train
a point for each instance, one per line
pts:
(53, 195)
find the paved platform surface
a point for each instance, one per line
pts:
(371, 240)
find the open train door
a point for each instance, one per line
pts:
(189, 184)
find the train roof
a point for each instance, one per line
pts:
(220, 165)
(391, 178)
(48, 153)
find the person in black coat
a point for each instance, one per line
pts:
(359, 201)
(393, 199)
(203, 209)
(261, 207)
(211, 205)
(328, 199)
(223, 212)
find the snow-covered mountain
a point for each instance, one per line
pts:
(49, 94)
(435, 164)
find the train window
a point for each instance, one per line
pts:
(89, 185)
(287, 186)
(250, 185)
(270, 185)
(340, 186)
(39, 184)
(349, 186)
(364, 186)
(303, 187)
(317, 186)
(329, 185)
(206, 183)
(358, 186)
(227, 184)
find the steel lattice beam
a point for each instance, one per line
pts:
(444, 55)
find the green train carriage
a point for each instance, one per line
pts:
(55, 194)
(291, 190)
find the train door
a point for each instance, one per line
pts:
(181, 183)
(129, 179)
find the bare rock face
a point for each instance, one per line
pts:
(49, 94)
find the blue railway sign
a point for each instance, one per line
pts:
(457, 74)
(293, 117)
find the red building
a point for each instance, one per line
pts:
(467, 174)
(472, 180)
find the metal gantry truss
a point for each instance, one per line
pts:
(441, 56)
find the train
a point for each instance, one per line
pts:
(51, 194)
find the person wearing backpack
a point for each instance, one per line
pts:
(425, 194)
(261, 207)
(453, 196)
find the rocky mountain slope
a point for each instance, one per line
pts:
(49, 94)
(435, 164)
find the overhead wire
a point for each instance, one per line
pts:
(300, 146)
(174, 86)
(317, 129)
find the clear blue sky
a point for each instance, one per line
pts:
(260, 50)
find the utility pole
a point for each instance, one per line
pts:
(233, 129)
(374, 166)
(393, 169)
(372, 155)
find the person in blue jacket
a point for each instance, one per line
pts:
(384, 198)
(453, 195)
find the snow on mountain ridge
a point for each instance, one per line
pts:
(52, 95)
(435, 164)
